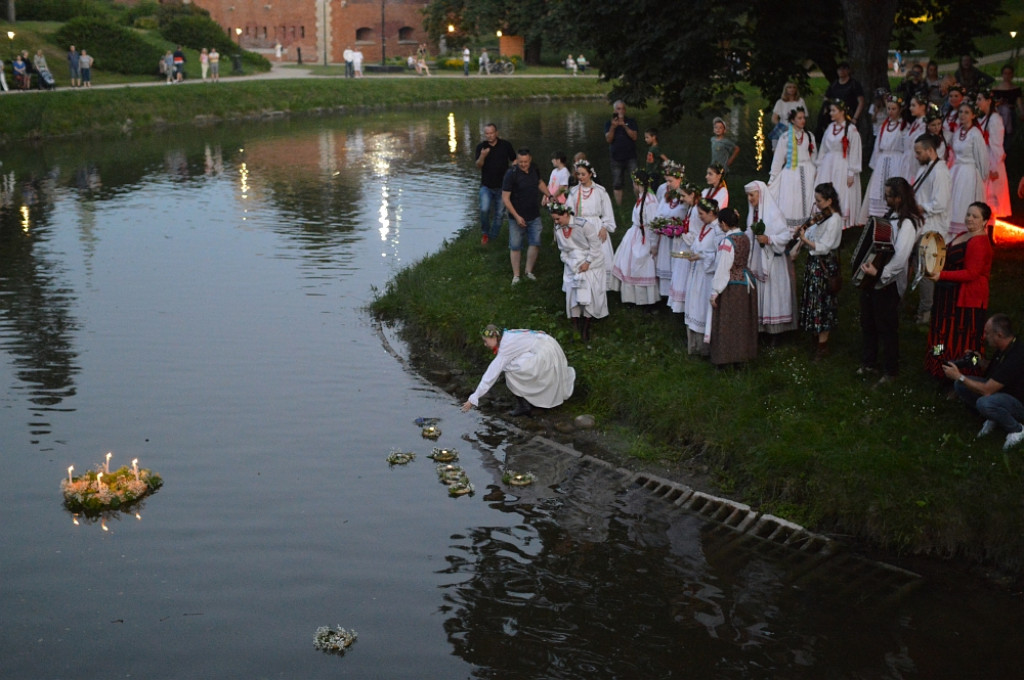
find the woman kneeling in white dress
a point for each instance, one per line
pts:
(535, 369)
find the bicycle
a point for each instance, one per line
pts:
(501, 66)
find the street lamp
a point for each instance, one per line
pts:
(238, 33)
(10, 37)
(1013, 40)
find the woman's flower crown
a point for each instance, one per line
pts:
(586, 164)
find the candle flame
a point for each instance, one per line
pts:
(138, 516)
(74, 518)
(104, 525)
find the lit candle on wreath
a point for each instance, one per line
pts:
(106, 466)
(135, 468)
(99, 482)
(70, 469)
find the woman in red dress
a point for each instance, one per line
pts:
(961, 293)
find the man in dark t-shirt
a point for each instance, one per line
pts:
(851, 93)
(621, 132)
(521, 192)
(493, 156)
(999, 396)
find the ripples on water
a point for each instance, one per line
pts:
(196, 300)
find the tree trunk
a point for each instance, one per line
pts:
(869, 25)
(10, 11)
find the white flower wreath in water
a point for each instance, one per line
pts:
(336, 641)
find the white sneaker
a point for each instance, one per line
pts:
(515, 280)
(1013, 439)
(986, 428)
(530, 276)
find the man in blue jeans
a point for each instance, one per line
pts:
(493, 156)
(999, 396)
(522, 191)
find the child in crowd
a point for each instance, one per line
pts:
(558, 182)
(655, 158)
(723, 149)
(577, 157)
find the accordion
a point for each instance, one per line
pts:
(876, 246)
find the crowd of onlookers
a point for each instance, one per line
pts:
(34, 72)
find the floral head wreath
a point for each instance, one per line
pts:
(839, 104)
(957, 87)
(718, 168)
(588, 166)
(970, 101)
(894, 99)
(641, 178)
(673, 169)
(690, 188)
(708, 205)
(920, 99)
(491, 331)
(557, 208)
(792, 114)
(932, 112)
(985, 92)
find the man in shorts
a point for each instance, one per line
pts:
(521, 192)
(621, 132)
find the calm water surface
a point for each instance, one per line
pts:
(196, 300)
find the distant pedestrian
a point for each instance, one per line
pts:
(75, 66)
(348, 55)
(204, 62)
(85, 64)
(179, 65)
(485, 61)
(168, 66)
(465, 61)
(357, 63)
(214, 64)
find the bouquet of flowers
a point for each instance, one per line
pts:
(668, 226)
(758, 228)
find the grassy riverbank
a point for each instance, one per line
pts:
(898, 466)
(69, 112)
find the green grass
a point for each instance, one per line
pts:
(899, 466)
(67, 112)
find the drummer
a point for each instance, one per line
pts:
(933, 191)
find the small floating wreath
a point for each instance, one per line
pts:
(400, 457)
(100, 490)
(334, 641)
(518, 479)
(450, 474)
(460, 488)
(444, 455)
(431, 432)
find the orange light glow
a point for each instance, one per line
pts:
(1007, 234)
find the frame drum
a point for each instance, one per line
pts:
(932, 253)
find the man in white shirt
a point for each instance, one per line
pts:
(933, 191)
(348, 55)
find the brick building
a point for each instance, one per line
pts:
(299, 25)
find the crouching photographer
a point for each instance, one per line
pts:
(998, 396)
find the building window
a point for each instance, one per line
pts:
(406, 34)
(302, 31)
(364, 35)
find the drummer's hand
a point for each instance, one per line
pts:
(933, 277)
(603, 234)
(468, 405)
(869, 269)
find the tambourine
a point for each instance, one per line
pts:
(931, 253)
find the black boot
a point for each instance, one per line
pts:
(522, 408)
(585, 328)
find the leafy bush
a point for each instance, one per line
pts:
(197, 32)
(167, 13)
(142, 15)
(60, 10)
(120, 49)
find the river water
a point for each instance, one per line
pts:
(196, 300)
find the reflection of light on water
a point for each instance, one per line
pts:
(453, 142)
(385, 223)
(759, 138)
(243, 175)
(25, 221)
(381, 160)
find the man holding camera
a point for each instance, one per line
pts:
(621, 133)
(999, 396)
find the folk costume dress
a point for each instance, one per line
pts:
(595, 203)
(535, 369)
(734, 319)
(886, 162)
(698, 292)
(961, 302)
(819, 306)
(793, 175)
(967, 175)
(633, 273)
(911, 132)
(681, 266)
(997, 191)
(839, 160)
(770, 265)
(585, 292)
(667, 207)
